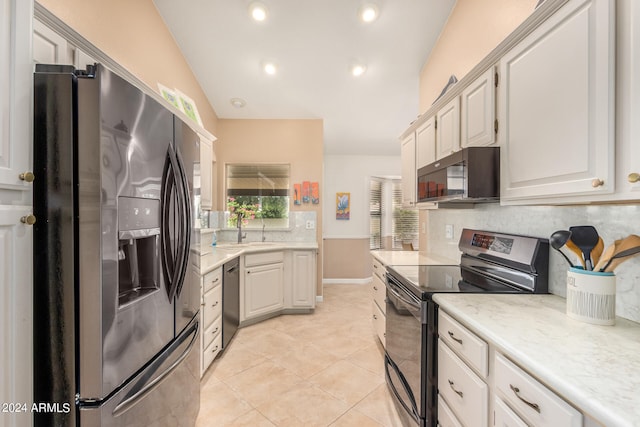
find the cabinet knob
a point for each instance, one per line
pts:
(633, 177)
(27, 176)
(28, 219)
(597, 182)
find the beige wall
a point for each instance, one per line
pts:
(346, 259)
(473, 30)
(133, 33)
(297, 142)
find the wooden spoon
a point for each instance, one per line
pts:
(596, 253)
(618, 257)
(606, 256)
(576, 250)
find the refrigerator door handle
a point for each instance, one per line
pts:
(186, 239)
(132, 400)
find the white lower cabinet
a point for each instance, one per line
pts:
(503, 416)
(303, 280)
(464, 391)
(379, 305)
(446, 418)
(263, 284)
(532, 400)
(210, 317)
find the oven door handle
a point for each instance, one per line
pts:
(413, 411)
(402, 298)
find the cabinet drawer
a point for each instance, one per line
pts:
(379, 269)
(445, 415)
(379, 322)
(504, 416)
(212, 279)
(212, 351)
(536, 403)
(466, 344)
(212, 306)
(263, 258)
(379, 293)
(465, 393)
(212, 331)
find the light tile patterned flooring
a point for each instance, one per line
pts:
(324, 369)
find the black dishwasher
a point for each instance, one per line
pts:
(230, 300)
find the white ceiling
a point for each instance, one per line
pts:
(314, 43)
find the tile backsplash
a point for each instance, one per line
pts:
(295, 232)
(612, 222)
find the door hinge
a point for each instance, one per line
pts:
(496, 79)
(495, 125)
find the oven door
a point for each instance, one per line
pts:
(405, 342)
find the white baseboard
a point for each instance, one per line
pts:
(364, 281)
(319, 298)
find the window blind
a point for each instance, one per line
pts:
(375, 214)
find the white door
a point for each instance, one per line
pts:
(426, 143)
(304, 279)
(556, 111)
(408, 157)
(477, 109)
(448, 129)
(264, 289)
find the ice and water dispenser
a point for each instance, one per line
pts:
(138, 248)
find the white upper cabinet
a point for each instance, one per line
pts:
(478, 108)
(16, 81)
(206, 177)
(49, 47)
(448, 129)
(408, 156)
(556, 107)
(426, 143)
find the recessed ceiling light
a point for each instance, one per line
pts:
(238, 102)
(270, 68)
(358, 69)
(368, 12)
(258, 11)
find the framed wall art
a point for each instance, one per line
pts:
(343, 203)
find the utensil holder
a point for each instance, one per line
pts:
(591, 296)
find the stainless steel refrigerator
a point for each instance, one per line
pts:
(116, 321)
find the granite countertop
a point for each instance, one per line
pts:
(210, 257)
(412, 258)
(596, 368)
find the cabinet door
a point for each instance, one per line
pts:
(556, 106)
(263, 289)
(408, 156)
(478, 112)
(448, 129)
(304, 279)
(50, 47)
(206, 159)
(16, 301)
(16, 88)
(503, 416)
(426, 143)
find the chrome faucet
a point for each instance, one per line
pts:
(240, 236)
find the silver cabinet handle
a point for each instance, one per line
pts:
(458, 392)
(375, 288)
(516, 391)
(458, 340)
(214, 304)
(214, 349)
(214, 331)
(375, 317)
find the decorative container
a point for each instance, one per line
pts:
(591, 296)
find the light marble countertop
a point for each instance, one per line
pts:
(211, 257)
(412, 258)
(596, 368)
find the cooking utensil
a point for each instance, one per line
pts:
(576, 250)
(606, 256)
(558, 241)
(628, 247)
(586, 238)
(596, 253)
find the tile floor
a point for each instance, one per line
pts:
(323, 369)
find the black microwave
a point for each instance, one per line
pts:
(469, 175)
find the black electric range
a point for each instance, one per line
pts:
(490, 262)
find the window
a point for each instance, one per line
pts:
(390, 224)
(259, 193)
